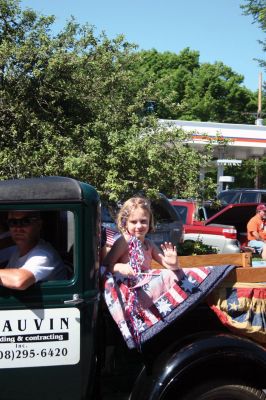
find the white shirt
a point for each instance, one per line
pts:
(43, 261)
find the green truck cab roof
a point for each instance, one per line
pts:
(45, 189)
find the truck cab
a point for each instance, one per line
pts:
(47, 332)
(58, 341)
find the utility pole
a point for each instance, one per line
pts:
(259, 120)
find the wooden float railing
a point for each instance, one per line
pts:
(244, 272)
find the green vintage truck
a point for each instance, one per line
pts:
(58, 341)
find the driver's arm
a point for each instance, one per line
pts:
(16, 278)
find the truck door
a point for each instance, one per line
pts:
(47, 337)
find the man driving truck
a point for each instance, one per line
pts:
(33, 259)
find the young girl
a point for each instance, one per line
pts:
(141, 301)
(135, 219)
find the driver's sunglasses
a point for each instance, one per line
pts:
(21, 222)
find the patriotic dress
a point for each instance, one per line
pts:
(144, 305)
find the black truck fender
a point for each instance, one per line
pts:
(201, 357)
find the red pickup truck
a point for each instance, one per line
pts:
(220, 234)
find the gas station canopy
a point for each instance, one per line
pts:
(244, 141)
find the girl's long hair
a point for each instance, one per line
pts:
(130, 205)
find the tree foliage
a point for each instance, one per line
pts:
(78, 104)
(183, 88)
(257, 9)
(71, 104)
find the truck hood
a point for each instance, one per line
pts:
(234, 214)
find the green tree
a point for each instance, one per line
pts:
(71, 104)
(215, 93)
(168, 73)
(257, 9)
(250, 173)
(185, 89)
(158, 160)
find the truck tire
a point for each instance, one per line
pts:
(218, 390)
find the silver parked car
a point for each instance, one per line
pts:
(233, 196)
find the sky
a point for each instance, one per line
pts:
(216, 28)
